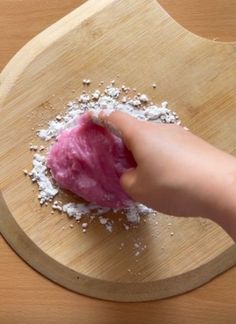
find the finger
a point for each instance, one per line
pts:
(128, 181)
(119, 123)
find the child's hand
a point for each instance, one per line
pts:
(177, 172)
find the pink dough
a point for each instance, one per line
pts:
(89, 161)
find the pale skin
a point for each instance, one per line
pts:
(177, 172)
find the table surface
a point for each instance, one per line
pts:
(26, 296)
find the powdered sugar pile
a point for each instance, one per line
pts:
(113, 98)
(47, 188)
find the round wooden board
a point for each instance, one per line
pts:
(139, 41)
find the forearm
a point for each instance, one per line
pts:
(224, 212)
(220, 202)
(227, 220)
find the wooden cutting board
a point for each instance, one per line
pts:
(137, 40)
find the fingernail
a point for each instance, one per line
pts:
(113, 130)
(95, 118)
(103, 123)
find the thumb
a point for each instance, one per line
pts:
(119, 123)
(128, 181)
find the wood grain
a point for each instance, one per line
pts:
(169, 313)
(44, 74)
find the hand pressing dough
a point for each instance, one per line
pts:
(89, 160)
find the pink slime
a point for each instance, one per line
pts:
(89, 160)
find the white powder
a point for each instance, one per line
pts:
(84, 98)
(139, 247)
(103, 220)
(47, 189)
(126, 226)
(57, 205)
(96, 94)
(107, 103)
(112, 91)
(96, 101)
(82, 209)
(84, 225)
(143, 98)
(108, 226)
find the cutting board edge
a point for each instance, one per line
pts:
(138, 292)
(209, 40)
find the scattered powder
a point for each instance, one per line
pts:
(143, 98)
(86, 82)
(109, 226)
(84, 225)
(84, 98)
(78, 210)
(103, 220)
(108, 101)
(139, 247)
(96, 94)
(33, 147)
(134, 211)
(47, 189)
(126, 226)
(106, 222)
(112, 91)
